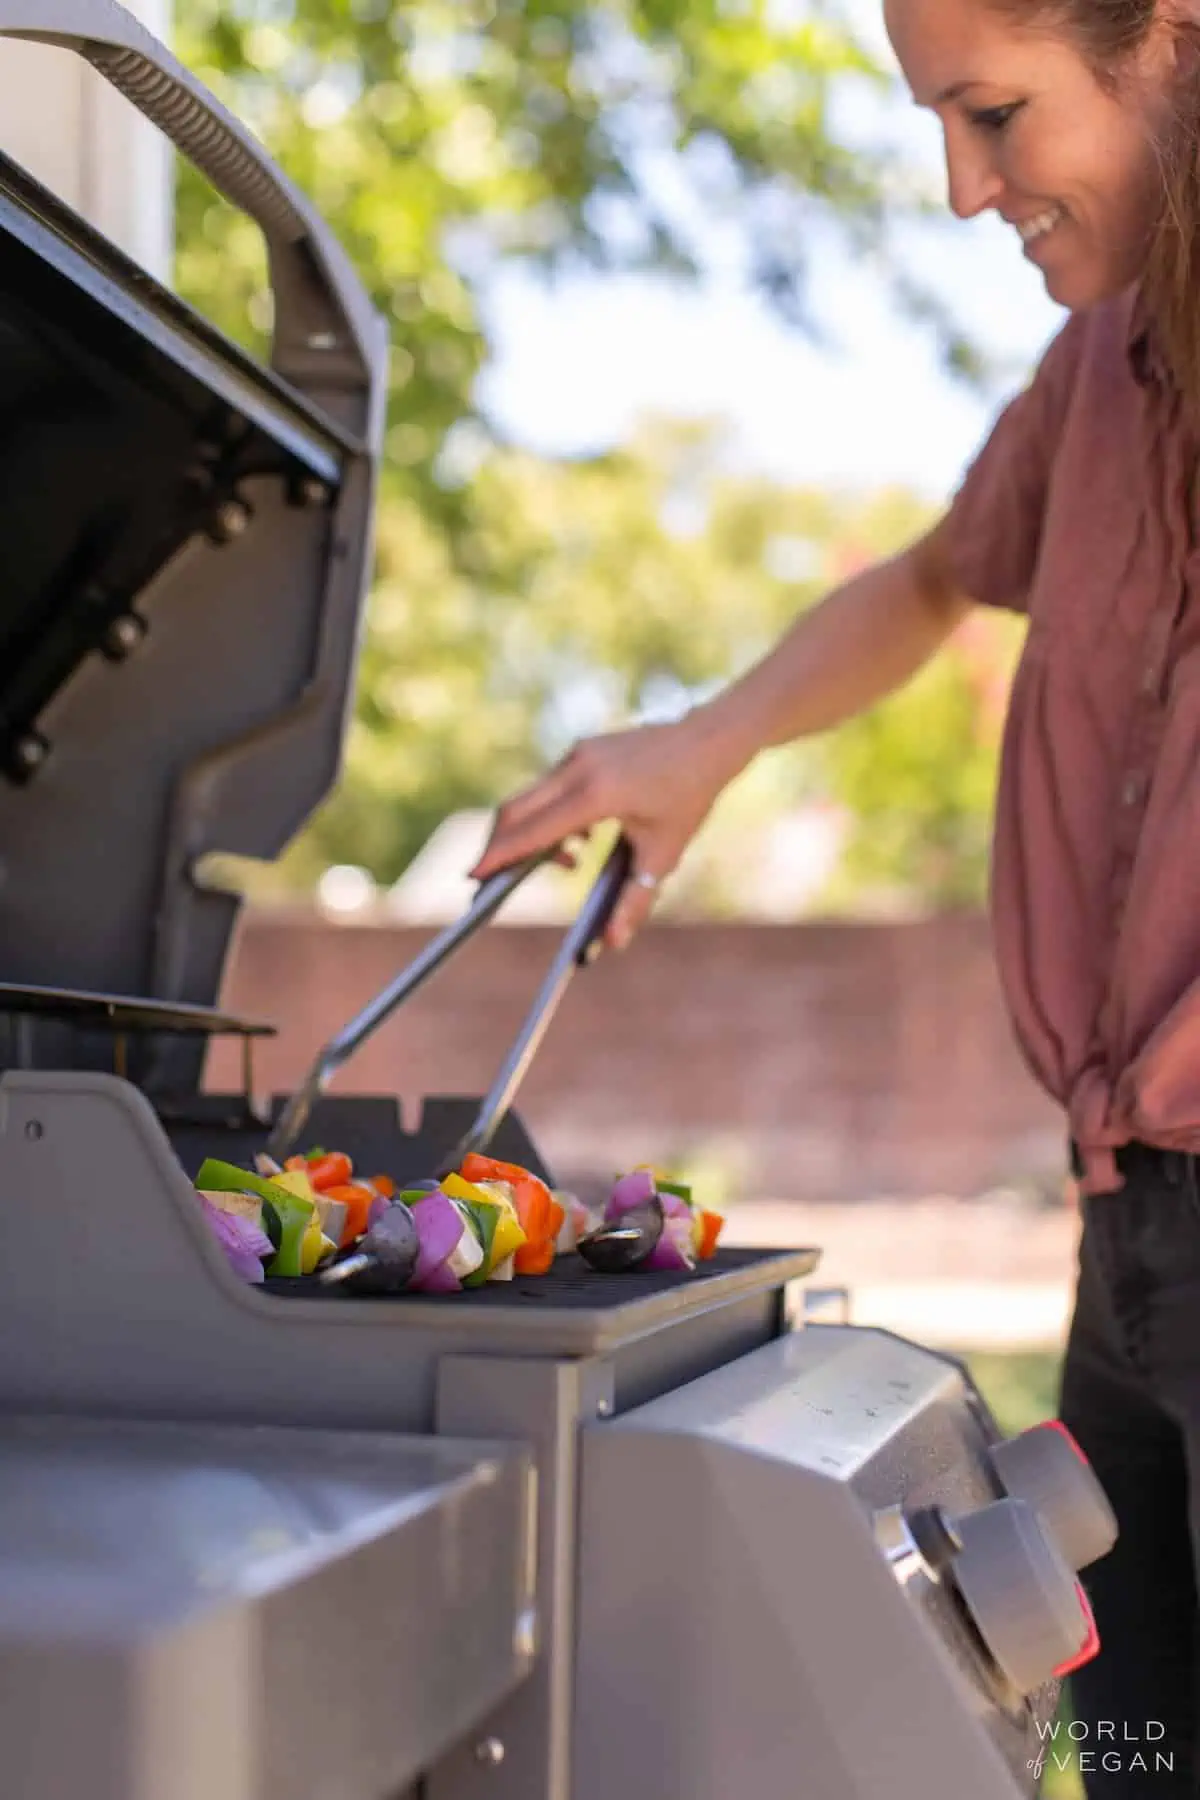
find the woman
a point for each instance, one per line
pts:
(1078, 121)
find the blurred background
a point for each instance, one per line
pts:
(682, 333)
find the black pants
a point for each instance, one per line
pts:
(1131, 1396)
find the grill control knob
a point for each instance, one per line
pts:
(1026, 1603)
(1046, 1467)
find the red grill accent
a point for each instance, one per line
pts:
(1091, 1643)
(1064, 1432)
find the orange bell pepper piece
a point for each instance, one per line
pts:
(384, 1186)
(535, 1257)
(358, 1201)
(711, 1225)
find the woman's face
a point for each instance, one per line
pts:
(1031, 134)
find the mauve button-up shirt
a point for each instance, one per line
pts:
(1079, 512)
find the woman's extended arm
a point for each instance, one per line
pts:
(660, 781)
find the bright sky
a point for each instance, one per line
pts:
(574, 367)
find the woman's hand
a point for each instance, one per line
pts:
(659, 781)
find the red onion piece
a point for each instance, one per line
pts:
(439, 1226)
(632, 1190)
(245, 1244)
(441, 1280)
(674, 1248)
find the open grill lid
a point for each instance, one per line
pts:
(185, 540)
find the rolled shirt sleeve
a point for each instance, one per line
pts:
(993, 528)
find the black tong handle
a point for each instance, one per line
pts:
(580, 944)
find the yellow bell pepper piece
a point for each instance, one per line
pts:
(295, 1181)
(314, 1247)
(509, 1236)
(458, 1189)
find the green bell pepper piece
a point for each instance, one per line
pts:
(483, 1222)
(292, 1210)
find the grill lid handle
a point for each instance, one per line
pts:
(327, 336)
(579, 946)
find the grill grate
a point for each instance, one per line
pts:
(568, 1286)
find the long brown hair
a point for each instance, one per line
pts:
(1109, 33)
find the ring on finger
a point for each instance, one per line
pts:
(644, 879)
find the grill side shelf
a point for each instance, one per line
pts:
(121, 1012)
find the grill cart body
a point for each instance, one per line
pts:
(577, 1537)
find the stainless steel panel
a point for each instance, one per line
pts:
(543, 1404)
(214, 1614)
(741, 1627)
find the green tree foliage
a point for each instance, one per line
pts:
(626, 586)
(582, 593)
(917, 776)
(441, 136)
(519, 602)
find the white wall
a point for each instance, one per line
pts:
(81, 138)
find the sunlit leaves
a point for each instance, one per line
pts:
(519, 602)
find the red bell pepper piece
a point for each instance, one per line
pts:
(476, 1167)
(329, 1171)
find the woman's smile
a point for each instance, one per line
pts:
(1033, 133)
(1040, 226)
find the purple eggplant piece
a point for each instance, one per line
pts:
(624, 1243)
(385, 1258)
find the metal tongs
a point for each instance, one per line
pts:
(580, 945)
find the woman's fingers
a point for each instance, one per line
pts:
(543, 816)
(548, 788)
(567, 857)
(583, 790)
(654, 859)
(628, 916)
(644, 778)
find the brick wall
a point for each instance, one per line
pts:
(808, 1061)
